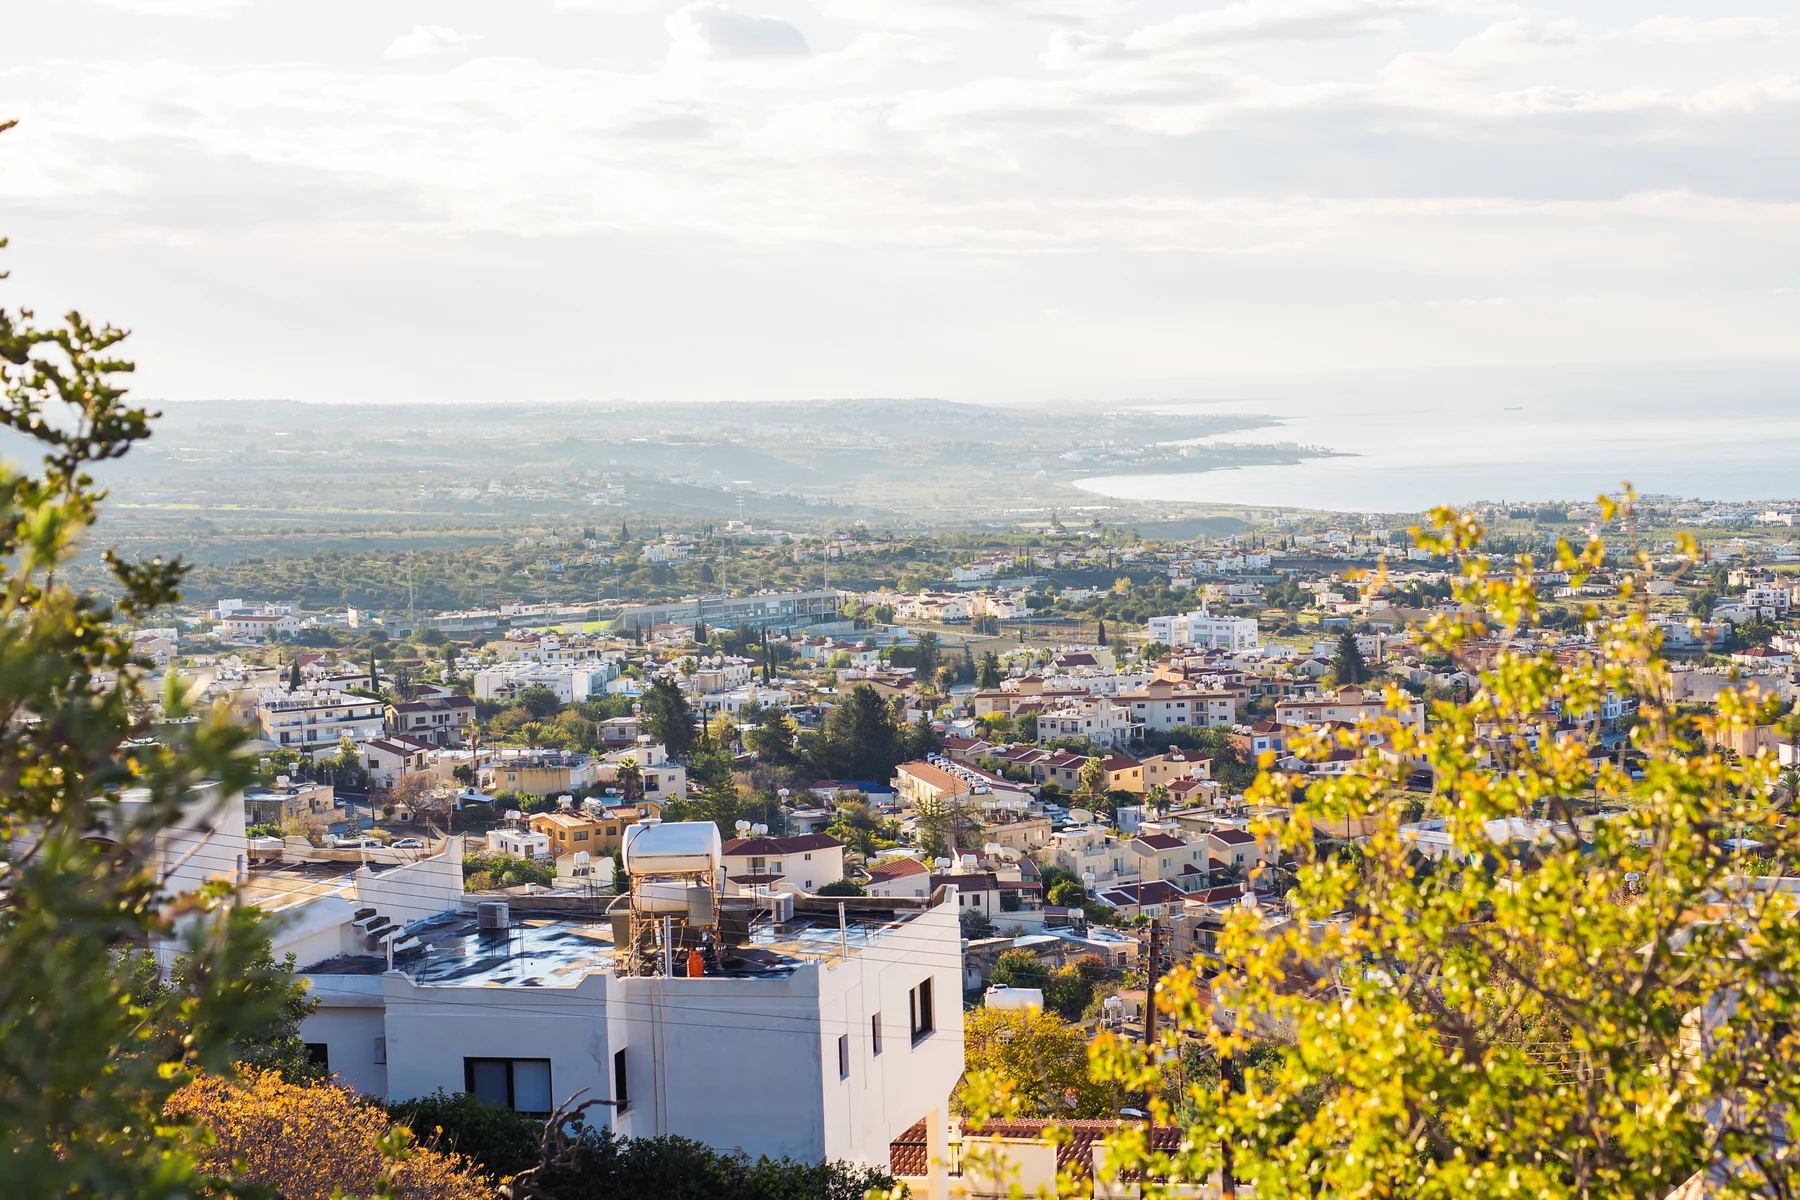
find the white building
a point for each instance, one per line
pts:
(314, 722)
(830, 1045)
(1097, 719)
(1201, 628)
(784, 864)
(257, 627)
(571, 682)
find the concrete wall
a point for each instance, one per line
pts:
(349, 1020)
(415, 891)
(431, 1029)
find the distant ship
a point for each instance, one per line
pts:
(1514, 408)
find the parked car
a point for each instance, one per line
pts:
(407, 844)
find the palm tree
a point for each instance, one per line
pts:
(1093, 777)
(1159, 799)
(630, 779)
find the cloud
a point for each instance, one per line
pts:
(616, 8)
(708, 31)
(179, 8)
(973, 14)
(1724, 31)
(1501, 47)
(1251, 21)
(431, 41)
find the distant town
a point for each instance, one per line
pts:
(1015, 776)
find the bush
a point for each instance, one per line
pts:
(498, 1140)
(311, 1142)
(484, 872)
(842, 887)
(600, 1166)
(1022, 969)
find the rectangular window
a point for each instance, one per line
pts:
(581, 835)
(521, 1084)
(843, 1056)
(621, 1085)
(924, 1020)
(875, 1033)
(320, 1053)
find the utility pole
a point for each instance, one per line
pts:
(1150, 985)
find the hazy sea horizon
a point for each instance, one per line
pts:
(1405, 441)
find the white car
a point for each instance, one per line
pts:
(407, 844)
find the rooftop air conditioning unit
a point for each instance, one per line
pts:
(492, 916)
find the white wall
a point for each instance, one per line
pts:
(349, 1019)
(432, 1028)
(416, 890)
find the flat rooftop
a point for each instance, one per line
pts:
(560, 950)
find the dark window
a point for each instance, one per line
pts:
(521, 1084)
(875, 1032)
(923, 1020)
(320, 1053)
(621, 1083)
(844, 1056)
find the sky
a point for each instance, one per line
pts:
(1025, 200)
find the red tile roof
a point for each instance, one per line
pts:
(762, 847)
(907, 1155)
(895, 868)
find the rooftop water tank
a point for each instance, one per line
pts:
(655, 847)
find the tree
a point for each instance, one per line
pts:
(856, 825)
(1068, 893)
(1347, 666)
(86, 1070)
(1605, 1010)
(948, 825)
(1093, 778)
(668, 719)
(842, 887)
(989, 674)
(630, 778)
(926, 656)
(773, 739)
(539, 701)
(1025, 726)
(1020, 969)
(498, 1140)
(405, 685)
(1037, 1060)
(315, 1141)
(1158, 799)
(1100, 632)
(592, 1164)
(860, 739)
(415, 789)
(294, 675)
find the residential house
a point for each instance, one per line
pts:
(1151, 898)
(314, 722)
(257, 627)
(440, 720)
(898, 877)
(1164, 855)
(976, 892)
(784, 864)
(922, 782)
(388, 758)
(1096, 718)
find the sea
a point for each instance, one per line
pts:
(1404, 441)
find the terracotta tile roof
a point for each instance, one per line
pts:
(1160, 841)
(765, 846)
(907, 1154)
(935, 777)
(1234, 837)
(895, 868)
(1126, 895)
